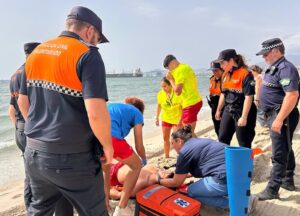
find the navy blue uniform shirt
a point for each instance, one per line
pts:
(278, 79)
(202, 158)
(14, 87)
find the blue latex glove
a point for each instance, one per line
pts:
(144, 162)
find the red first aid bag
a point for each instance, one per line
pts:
(157, 200)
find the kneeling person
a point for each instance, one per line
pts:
(124, 117)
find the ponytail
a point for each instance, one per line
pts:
(240, 61)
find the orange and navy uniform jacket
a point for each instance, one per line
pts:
(214, 90)
(215, 86)
(14, 87)
(59, 75)
(235, 85)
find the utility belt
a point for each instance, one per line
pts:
(234, 110)
(58, 148)
(20, 125)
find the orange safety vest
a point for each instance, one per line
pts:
(215, 86)
(233, 81)
(59, 75)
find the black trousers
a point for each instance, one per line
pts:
(63, 207)
(76, 177)
(21, 143)
(215, 121)
(283, 158)
(228, 127)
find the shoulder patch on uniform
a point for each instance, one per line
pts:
(285, 82)
(252, 83)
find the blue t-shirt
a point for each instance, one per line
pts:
(123, 117)
(202, 157)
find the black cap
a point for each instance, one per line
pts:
(29, 47)
(86, 15)
(226, 55)
(167, 60)
(214, 65)
(268, 45)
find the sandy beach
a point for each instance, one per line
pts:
(11, 195)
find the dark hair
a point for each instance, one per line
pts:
(168, 60)
(165, 80)
(281, 49)
(239, 59)
(184, 133)
(138, 103)
(256, 69)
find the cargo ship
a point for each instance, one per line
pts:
(136, 73)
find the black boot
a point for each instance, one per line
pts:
(267, 195)
(290, 186)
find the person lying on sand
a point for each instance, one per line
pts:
(149, 175)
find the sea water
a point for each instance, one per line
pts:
(146, 88)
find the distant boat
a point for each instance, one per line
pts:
(136, 73)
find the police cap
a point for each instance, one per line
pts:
(268, 45)
(214, 66)
(226, 55)
(29, 47)
(86, 15)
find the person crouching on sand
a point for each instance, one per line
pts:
(124, 117)
(169, 110)
(203, 158)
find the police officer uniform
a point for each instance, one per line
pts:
(281, 77)
(14, 85)
(59, 156)
(214, 95)
(63, 207)
(235, 85)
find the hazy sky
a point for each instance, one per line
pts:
(142, 32)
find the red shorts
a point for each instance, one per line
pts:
(189, 114)
(113, 174)
(121, 148)
(166, 124)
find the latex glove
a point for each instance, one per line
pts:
(144, 162)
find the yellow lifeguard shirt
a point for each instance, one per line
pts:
(184, 74)
(170, 107)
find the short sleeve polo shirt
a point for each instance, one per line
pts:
(280, 78)
(59, 75)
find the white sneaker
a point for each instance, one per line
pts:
(251, 204)
(122, 211)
